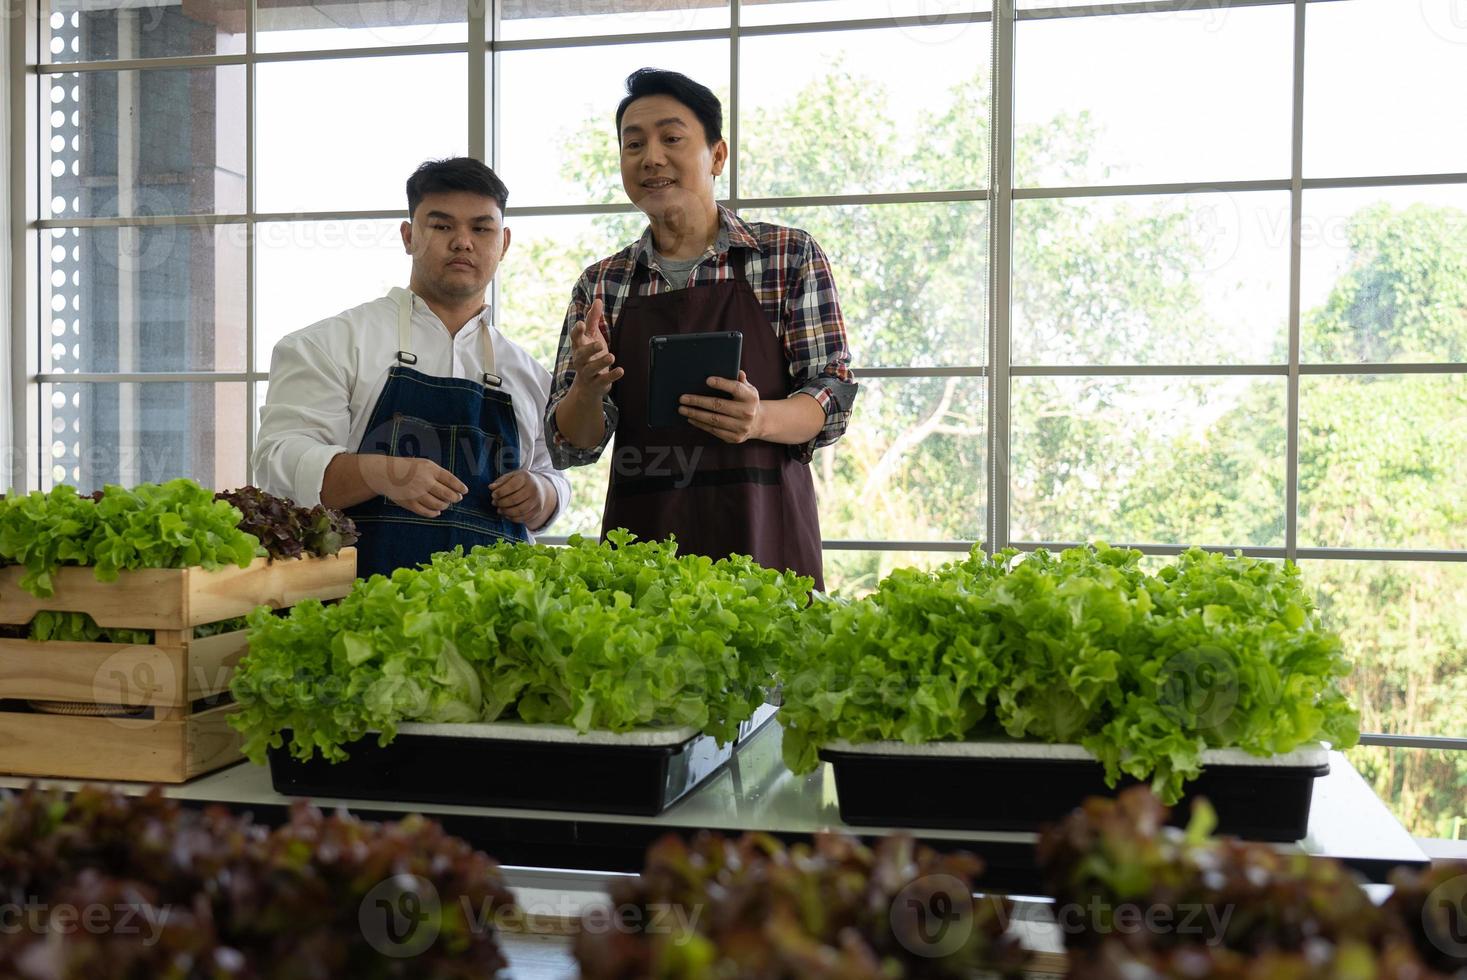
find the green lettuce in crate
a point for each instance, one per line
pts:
(1145, 670)
(81, 628)
(610, 636)
(177, 524)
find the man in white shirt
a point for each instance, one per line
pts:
(412, 413)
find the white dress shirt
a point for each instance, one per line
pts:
(325, 380)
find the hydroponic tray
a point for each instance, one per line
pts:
(518, 765)
(1002, 785)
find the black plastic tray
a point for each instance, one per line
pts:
(529, 772)
(1256, 802)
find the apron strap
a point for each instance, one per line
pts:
(491, 378)
(737, 260)
(405, 353)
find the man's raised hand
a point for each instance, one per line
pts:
(591, 358)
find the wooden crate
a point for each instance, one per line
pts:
(181, 598)
(172, 742)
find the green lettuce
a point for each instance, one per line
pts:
(177, 524)
(610, 636)
(1145, 670)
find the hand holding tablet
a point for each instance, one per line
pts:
(681, 364)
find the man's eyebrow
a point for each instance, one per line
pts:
(445, 216)
(669, 121)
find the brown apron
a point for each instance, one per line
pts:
(719, 499)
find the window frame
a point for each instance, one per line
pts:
(24, 68)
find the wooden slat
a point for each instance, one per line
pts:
(180, 598)
(212, 744)
(95, 673)
(1047, 965)
(126, 749)
(92, 748)
(145, 599)
(230, 592)
(211, 663)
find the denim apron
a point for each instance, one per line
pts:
(467, 427)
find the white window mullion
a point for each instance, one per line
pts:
(252, 419)
(23, 461)
(1000, 270)
(1296, 217)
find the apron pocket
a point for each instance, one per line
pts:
(409, 437)
(477, 458)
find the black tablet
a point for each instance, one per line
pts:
(681, 364)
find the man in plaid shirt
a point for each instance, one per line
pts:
(735, 478)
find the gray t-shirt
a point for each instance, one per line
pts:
(677, 271)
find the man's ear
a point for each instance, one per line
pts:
(720, 157)
(406, 230)
(504, 249)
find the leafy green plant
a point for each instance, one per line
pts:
(1145, 670)
(177, 524)
(81, 628)
(222, 626)
(614, 636)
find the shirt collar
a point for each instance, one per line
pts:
(732, 231)
(484, 319)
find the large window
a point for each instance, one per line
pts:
(1162, 273)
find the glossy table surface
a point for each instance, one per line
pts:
(754, 791)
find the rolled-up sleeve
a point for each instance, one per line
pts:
(304, 423)
(815, 343)
(563, 454)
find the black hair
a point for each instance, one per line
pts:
(455, 174)
(697, 97)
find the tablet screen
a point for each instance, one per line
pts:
(680, 364)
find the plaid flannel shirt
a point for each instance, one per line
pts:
(791, 277)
